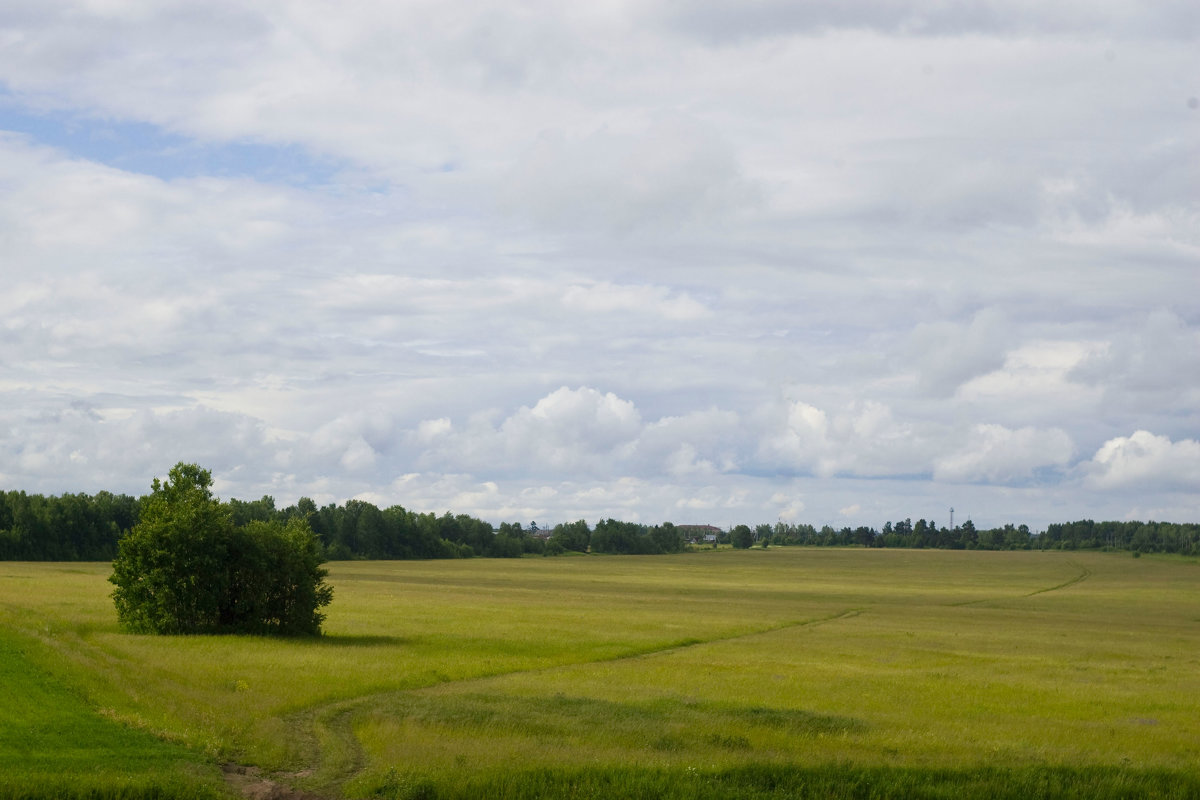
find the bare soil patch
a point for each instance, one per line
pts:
(250, 783)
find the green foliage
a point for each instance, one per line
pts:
(73, 527)
(79, 527)
(276, 580)
(245, 512)
(572, 536)
(617, 537)
(742, 537)
(171, 571)
(667, 538)
(187, 568)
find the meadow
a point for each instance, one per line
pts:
(790, 672)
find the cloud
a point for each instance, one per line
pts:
(355, 440)
(967, 191)
(697, 444)
(721, 23)
(570, 424)
(577, 431)
(1161, 356)
(73, 211)
(604, 259)
(44, 444)
(1144, 459)
(997, 455)
(863, 439)
(671, 171)
(791, 508)
(1035, 385)
(656, 301)
(947, 355)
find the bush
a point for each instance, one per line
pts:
(186, 568)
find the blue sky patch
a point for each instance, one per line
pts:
(149, 150)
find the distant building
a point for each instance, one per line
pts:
(699, 534)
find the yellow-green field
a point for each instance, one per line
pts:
(755, 673)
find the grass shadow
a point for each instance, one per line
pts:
(358, 640)
(667, 721)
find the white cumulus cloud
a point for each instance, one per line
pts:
(1144, 459)
(995, 454)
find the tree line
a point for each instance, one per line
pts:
(82, 527)
(1141, 537)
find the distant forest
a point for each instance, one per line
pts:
(81, 527)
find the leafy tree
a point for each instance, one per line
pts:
(864, 535)
(615, 536)
(572, 536)
(967, 537)
(276, 582)
(742, 537)
(507, 545)
(667, 538)
(185, 567)
(171, 570)
(245, 512)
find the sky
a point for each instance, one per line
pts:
(706, 262)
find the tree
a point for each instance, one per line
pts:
(186, 568)
(742, 537)
(614, 536)
(572, 536)
(276, 582)
(667, 538)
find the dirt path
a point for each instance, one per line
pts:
(335, 755)
(250, 783)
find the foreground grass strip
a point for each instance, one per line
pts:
(462, 678)
(53, 746)
(773, 782)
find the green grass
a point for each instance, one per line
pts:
(787, 672)
(52, 745)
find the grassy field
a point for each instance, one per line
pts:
(780, 673)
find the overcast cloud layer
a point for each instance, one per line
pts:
(692, 261)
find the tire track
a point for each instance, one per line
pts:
(677, 646)
(1084, 574)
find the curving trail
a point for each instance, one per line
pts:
(334, 754)
(1084, 574)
